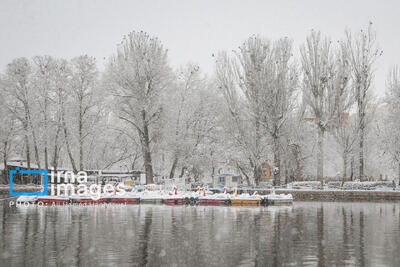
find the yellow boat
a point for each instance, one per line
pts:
(246, 202)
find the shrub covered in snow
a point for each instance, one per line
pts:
(306, 184)
(334, 185)
(357, 185)
(367, 185)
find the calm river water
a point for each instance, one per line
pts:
(305, 234)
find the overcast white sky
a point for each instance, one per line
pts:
(191, 30)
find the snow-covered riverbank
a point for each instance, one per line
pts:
(311, 190)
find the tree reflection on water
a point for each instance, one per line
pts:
(307, 233)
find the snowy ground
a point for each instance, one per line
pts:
(349, 186)
(304, 185)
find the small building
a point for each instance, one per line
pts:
(17, 162)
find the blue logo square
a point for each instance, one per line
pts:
(44, 193)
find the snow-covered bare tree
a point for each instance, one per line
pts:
(43, 84)
(363, 53)
(258, 84)
(61, 80)
(297, 143)
(345, 133)
(316, 59)
(242, 82)
(180, 111)
(392, 121)
(17, 83)
(86, 101)
(342, 100)
(201, 130)
(278, 96)
(8, 127)
(137, 76)
(325, 83)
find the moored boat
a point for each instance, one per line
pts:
(174, 198)
(26, 199)
(246, 199)
(52, 200)
(151, 197)
(89, 200)
(209, 201)
(215, 199)
(245, 202)
(124, 199)
(278, 199)
(151, 200)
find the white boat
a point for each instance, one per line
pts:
(26, 199)
(279, 199)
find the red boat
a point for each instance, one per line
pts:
(213, 202)
(124, 200)
(173, 201)
(216, 199)
(87, 200)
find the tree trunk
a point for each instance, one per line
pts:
(352, 168)
(277, 162)
(35, 146)
(182, 171)
(46, 158)
(5, 171)
(344, 167)
(55, 156)
(257, 168)
(399, 174)
(196, 174)
(173, 168)
(146, 150)
(148, 167)
(28, 152)
(361, 174)
(286, 174)
(257, 174)
(320, 154)
(46, 155)
(244, 173)
(36, 149)
(298, 165)
(361, 125)
(80, 137)
(71, 158)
